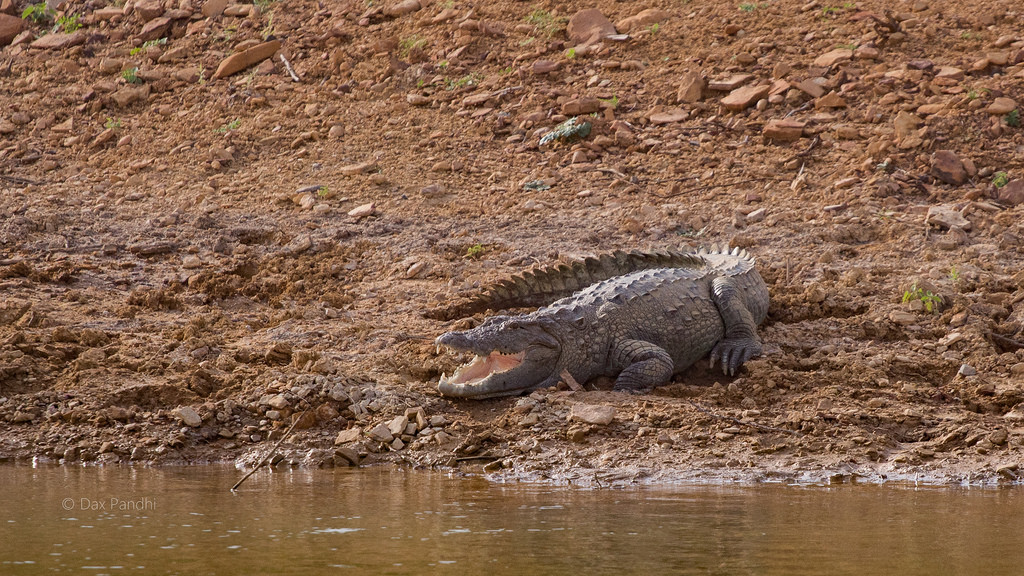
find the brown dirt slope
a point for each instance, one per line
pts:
(192, 256)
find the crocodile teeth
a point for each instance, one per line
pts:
(482, 367)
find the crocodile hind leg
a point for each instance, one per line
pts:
(740, 342)
(643, 365)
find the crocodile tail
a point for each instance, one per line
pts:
(543, 285)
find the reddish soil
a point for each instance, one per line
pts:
(187, 261)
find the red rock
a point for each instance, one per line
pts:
(950, 72)
(1012, 193)
(783, 130)
(669, 116)
(866, 53)
(691, 88)
(545, 66)
(732, 29)
(581, 106)
(402, 8)
(730, 83)
(214, 8)
(149, 9)
(1001, 105)
(811, 88)
(242, 60)
(645, 18)
(238, 10)
(10, 27)
(155, 29)
(830, 100)
(588, 27)
(833, 57)
(946, 166)
(743, 98)
(107, 13)
(59, 41)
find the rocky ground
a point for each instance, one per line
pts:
(217, 220)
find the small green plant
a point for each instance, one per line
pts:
(570, 53)
(968, 35)
(954, 274)
(931, 301)
(544, 22)
(131, 75)
(139, 49)
(1012, 118)
(748, 7)
(113, 124)
(505, 71)
(268, 30)
(1000, 179)
(233, 125)
(972, 94)
(202, 75)
(443, 64)
(69, 23)
(613, 101)
(323, 191)
(39, 13)
(467, 80)
(476, 251)
(407, 45)
(847, 46)
(655, 28)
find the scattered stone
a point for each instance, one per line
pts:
(811, 88)
(346, 456)
(950, 73)
(783, 130)
(381, 433)
(906, 124)
(830, 100)
(363, 210)
(1001, 106)
(1012, 193)
(278, 402)
(59, 41)
(149, 9)
(691, 88)
(833, 57)
(10, 27)
(592, 414)
(545, 66)
(155, 29)
(188, 416)
(361, 168)
(214, 8)
(242, 60)
(669, 116)
(745, 97)
(348, 436)
(946, 166)
(644, 18)
(730, 83)
(588, 27)
(402, 8)
(902, 317)
(581, 106)
(946, 217)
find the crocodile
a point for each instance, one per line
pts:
(640, 317)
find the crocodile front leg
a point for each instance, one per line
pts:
(643, 365)
(740, 342)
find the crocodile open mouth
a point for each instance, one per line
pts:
(482, 367)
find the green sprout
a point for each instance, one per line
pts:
(505, 71)
(406, 46)
(1012, 118)
(1000, 179)
(233, 125)
(613, 101)
(476, 251)
(570, 53)
(113, 124)
(931, 301)
(954, 274)
(131, 75)
(748, 7)
(38, 13)
(544, 22)
(323, 191)
(139, 49)
(655, 28)
(69, 23)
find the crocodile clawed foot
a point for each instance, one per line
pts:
(733, 352)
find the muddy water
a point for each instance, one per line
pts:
(185, 521)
